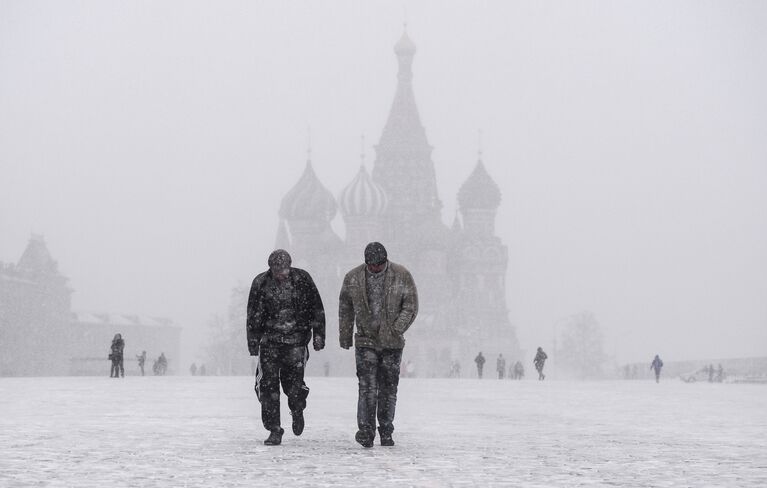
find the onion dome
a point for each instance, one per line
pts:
(479, 191)
(308, 199)
(36, 258)
(405, 46)
(363, 197)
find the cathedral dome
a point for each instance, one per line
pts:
(479, 191)
(308, 199)
(405, 46)
(363, 197)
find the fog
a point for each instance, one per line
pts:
(151, 144)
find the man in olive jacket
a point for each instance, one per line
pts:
(381, 298)
(284, 312)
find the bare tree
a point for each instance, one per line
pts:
(581, 354)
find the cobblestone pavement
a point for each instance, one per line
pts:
(206, 431)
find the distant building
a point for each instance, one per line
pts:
(41, 336)
(460, 271)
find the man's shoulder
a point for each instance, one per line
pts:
(355, 272)
(398, 268)
(259, 279)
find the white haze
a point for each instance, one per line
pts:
(151, 143)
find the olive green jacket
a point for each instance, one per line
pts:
(400, 309)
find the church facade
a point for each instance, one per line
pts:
(460, 270)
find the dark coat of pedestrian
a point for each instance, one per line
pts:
(656, 366)
(539, 362)
(116, 356)
(379, 298)
(480, 360)
(284, 314)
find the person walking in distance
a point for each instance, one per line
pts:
(380, 298)
(480, 360)
(656, 366)
(141, 360)
(284, 314)
(500, 366)
(116, 355)
(539, 361)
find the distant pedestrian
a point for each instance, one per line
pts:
(193, 369)
(141, 360)
(116, 355)
(500, 366)
(539, 361)
(656, 366)
(519, 370)
(202, 370)
(326, 368)
(710, 373)
(162, 364)
(719, 373)
(455, 369)
(480, 360)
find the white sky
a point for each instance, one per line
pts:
(151, 143)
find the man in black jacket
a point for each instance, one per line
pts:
(285, 312)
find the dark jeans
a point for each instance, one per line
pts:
(280, 364)
(378, 374)
(117, 367)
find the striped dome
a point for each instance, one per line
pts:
(362, 197)
(479, 191)
(308, 199)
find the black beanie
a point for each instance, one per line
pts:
(375, 253)
(280, 259)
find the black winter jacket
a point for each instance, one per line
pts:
(308, 308)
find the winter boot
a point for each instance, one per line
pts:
(298, 421)
(275, 437)
(386, 439)
(365, 439)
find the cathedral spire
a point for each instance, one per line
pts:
(403, 130)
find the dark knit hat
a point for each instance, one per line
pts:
(279, 259)
(375, 253)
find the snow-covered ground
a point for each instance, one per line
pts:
(206, 431)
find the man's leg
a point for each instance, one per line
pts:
(269, 387)
(367, 374)
(122, 367)
(292, 377)
(388, 380)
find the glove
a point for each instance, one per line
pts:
(253, 347)
(345, 346)
(319, 343)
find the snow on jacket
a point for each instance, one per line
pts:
(400, 309)
(264, 307)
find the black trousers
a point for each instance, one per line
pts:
(117, 369)
(378, 374)
(280, 364)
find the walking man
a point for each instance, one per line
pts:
(539, 361)
(285, 313)
(380, 297)
(656, 365)
(500, 366)
(480, 360)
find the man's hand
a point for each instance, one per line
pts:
(319, 343)
(253, 347)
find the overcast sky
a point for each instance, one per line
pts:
(151, 143)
